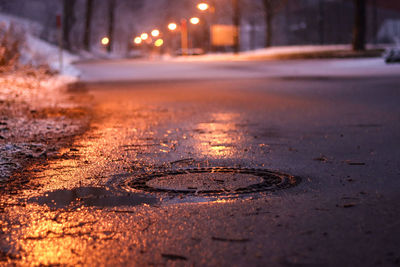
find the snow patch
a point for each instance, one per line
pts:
(29, 90)
(38, 52)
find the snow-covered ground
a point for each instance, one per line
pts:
(35, 114)
(38, 52)
(33, 105)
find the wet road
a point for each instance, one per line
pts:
(215, 127)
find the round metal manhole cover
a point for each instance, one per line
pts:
(213, 181)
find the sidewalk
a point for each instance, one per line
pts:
(292, 52)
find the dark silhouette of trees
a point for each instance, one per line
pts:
(236, 23)
(88, 22)
(111, 21)
(268, 21)
(321, 15)
(271, 7)
(359, 28)
(69, 20)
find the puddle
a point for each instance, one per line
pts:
(91, 197)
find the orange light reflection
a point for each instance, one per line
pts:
(220, 137)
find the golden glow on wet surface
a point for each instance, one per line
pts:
(133, 132)
(220, 137)
(48, 243)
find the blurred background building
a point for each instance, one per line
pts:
(290, 22)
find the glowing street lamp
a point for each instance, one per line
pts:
(183, 29)
(172, 26)
(137, 40)
(144, 36)
(203, 6)
(195, 20)
(155, 33)
(105, 41)
(159, 42)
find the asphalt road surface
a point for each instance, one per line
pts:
(288, 163)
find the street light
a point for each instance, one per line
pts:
(159, 42)
(195, 20)
(137, 40)
(203, 6)
(184, 32)
(105, 41)
(144, 36)
(172, 26)
(155, 33)
(207, 28)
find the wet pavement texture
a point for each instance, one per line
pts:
(337, 137)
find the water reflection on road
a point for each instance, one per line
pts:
(219, 137)
(79, 214)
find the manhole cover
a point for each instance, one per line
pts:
(213, 181)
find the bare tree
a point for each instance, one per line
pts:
(321, 26)
(88, 21)
(68, 21)
(271, 7)
(111, 21)
(359, 28)
(375, 20)
(236, 22)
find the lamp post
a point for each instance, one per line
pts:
(172, 26)
(195, 20)
(184, 32)
(144, 36)
(155, 33)
(203, 7)
(159, 42)
(137, 40)
(105, 41)
(184, 37)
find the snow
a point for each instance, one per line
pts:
(272, 51)
(390, 31)
(25, 128)
(38, 52)
(296, 49)
(29, 90)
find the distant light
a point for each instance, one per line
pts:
(144, 36)
(203, 6)
(105, 41)
(159, 42)
(155, 33)
(172, 26)
(195, 20)
(137, 40)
